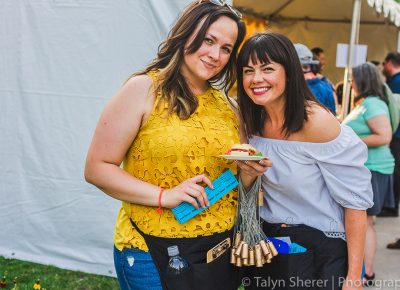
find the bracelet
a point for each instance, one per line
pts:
(159, 209)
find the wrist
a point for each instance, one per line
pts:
(164, 199)
(354, 274)
(353, 278)
(247, 180)
(159, 201)
(353, 282)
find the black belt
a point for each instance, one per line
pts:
(217, 275)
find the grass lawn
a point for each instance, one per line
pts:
(51, 278)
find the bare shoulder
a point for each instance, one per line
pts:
(135, 95)
(322, 126)
(131, 104)
(139, 86)
(120, 120)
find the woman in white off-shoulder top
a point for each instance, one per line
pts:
(318, 189)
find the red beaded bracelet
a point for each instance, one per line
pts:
(159, 209)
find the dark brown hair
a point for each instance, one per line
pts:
(394, 57)
(266, 48)
(170, 82)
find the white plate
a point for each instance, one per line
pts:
(249, 158)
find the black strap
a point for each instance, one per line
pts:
(218, 275)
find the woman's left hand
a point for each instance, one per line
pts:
(253, 169)
(250, 170)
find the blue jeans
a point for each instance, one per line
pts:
(136, 270)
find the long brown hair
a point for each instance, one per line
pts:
(170, 83)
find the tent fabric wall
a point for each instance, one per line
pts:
(60, 62)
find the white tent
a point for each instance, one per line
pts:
(60, 62)
(324, 23)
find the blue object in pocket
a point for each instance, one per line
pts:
(281, 246)
(296, 248)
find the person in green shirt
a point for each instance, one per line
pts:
(370, 120)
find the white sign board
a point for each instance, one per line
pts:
(359, 54)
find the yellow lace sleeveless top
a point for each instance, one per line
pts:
(167, 151)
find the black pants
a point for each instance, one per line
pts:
(322, 266)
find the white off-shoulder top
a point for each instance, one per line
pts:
(312, 183)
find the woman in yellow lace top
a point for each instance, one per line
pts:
(168, 124)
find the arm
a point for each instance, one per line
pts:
(381, 131)
(356, 226)
(344, 172)
(117, 128)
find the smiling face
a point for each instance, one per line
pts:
(213, 54)
(264, 83)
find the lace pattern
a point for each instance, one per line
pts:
(166, 152)
(340, 235)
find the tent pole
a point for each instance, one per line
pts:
(398, 40)
(355, 23)
(356, 42)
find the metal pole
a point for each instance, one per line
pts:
(356, 42)
(355, 23)
(398, 40)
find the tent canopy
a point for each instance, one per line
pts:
(372, 11)
(324, 23)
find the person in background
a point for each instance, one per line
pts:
(377, 63)
(318, 188)
(167, 124)
(370, 120)
(339, 92)
(320, 56)
(391, 70)
(321, 89)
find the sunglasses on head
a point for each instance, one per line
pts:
(223, 3)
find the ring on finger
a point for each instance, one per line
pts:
(246, 161)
